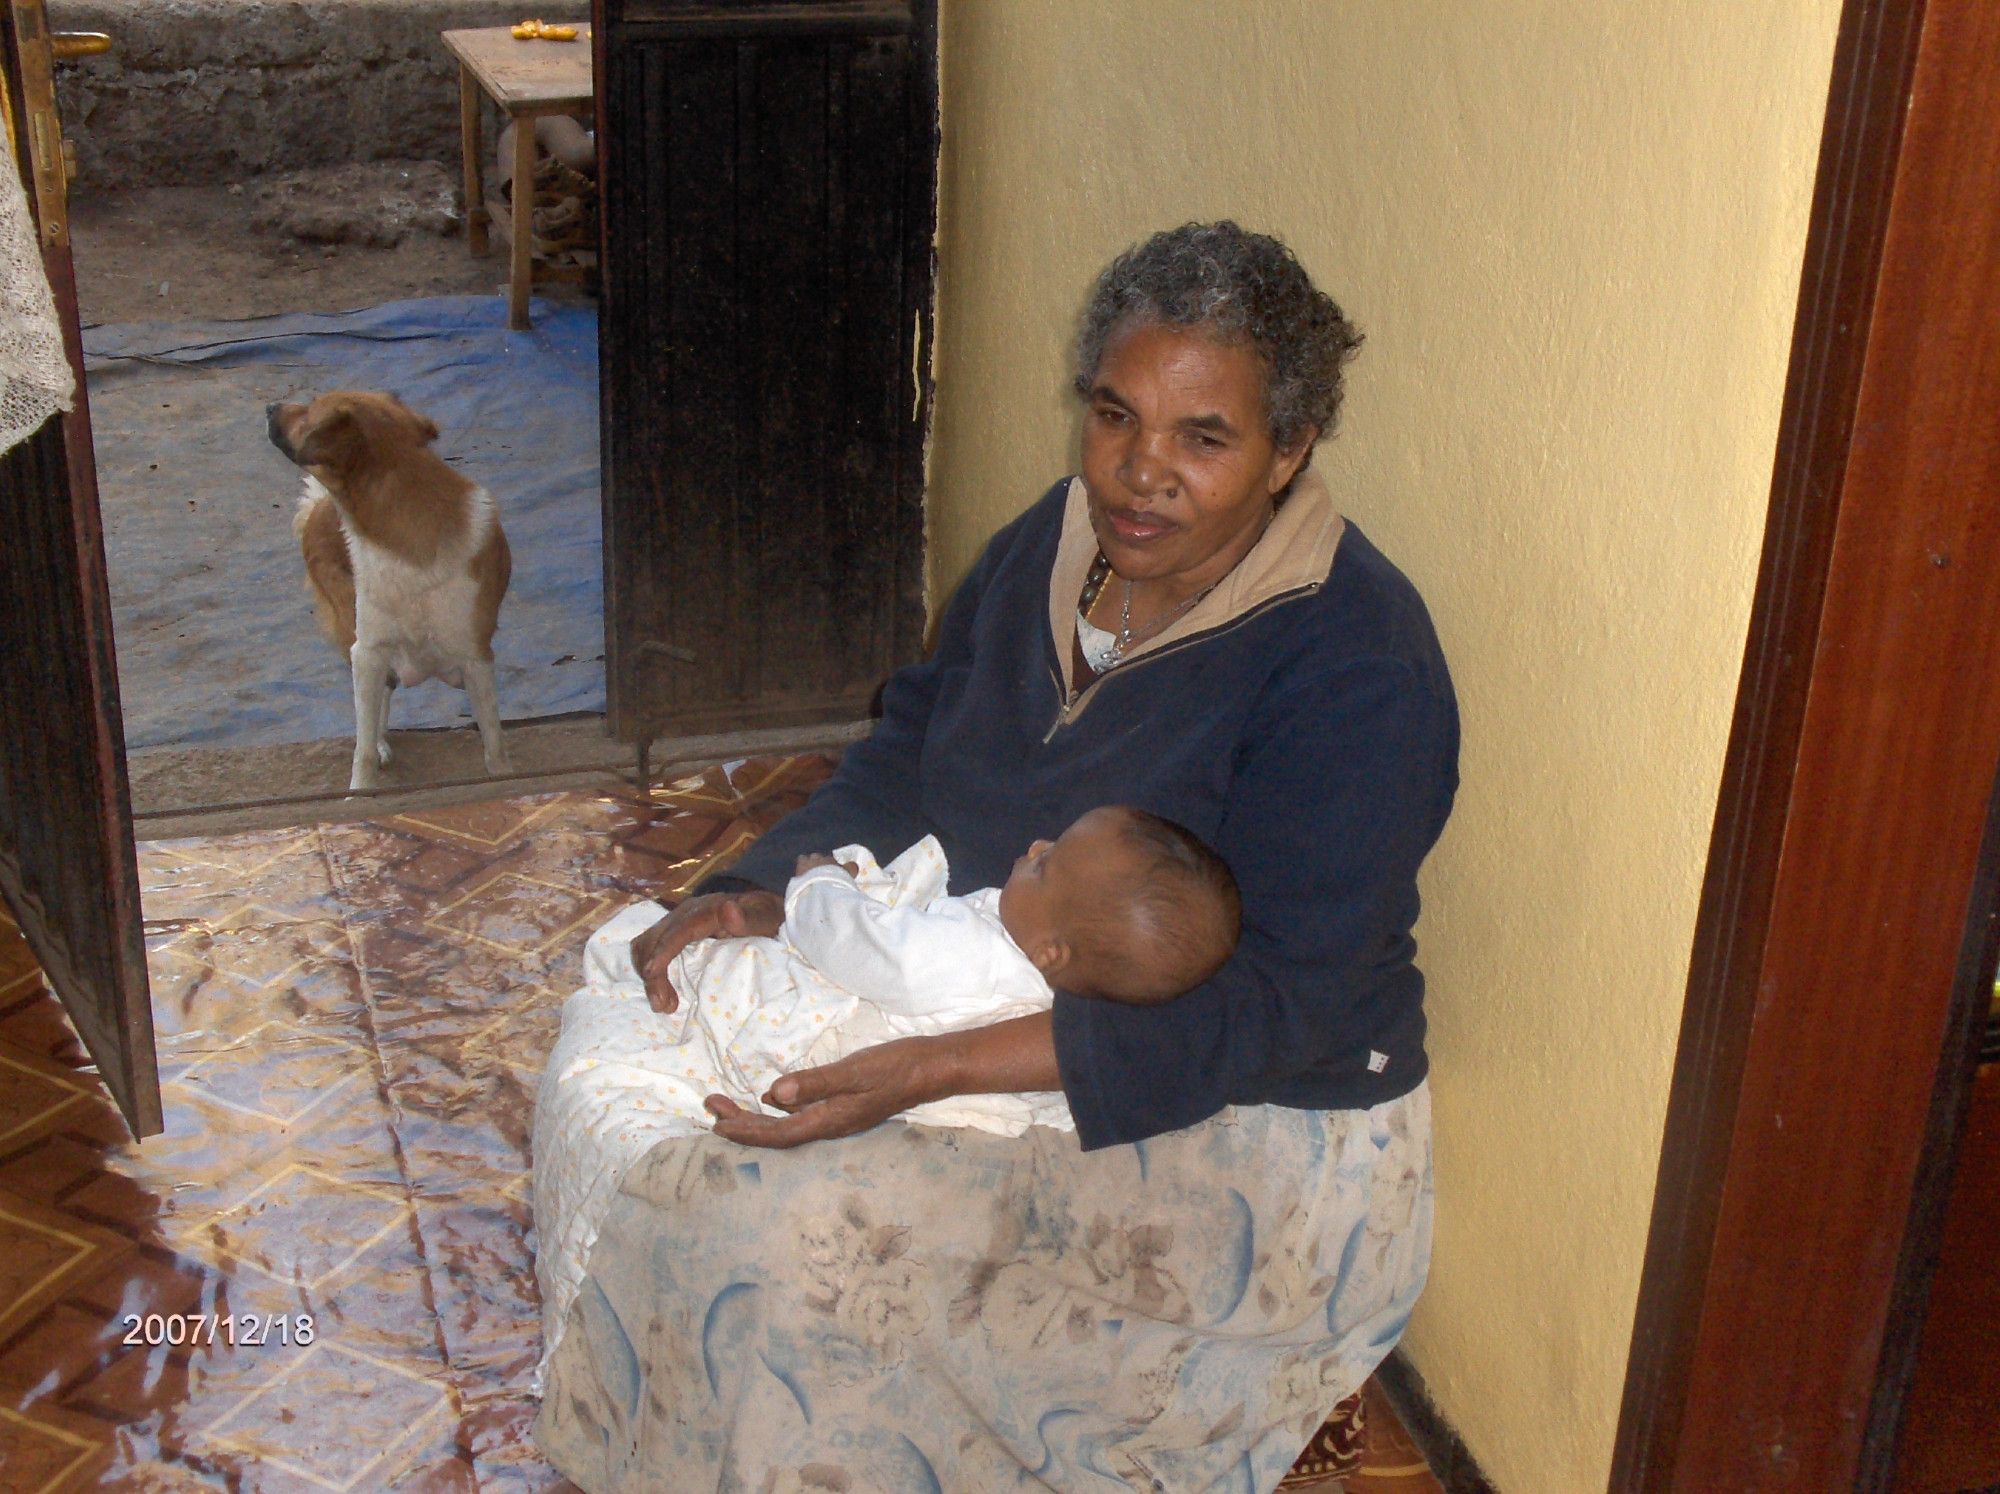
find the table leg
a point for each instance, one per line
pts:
(475, 184)
(524, 223)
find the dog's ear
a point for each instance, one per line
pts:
(423, 425)
(331, 443)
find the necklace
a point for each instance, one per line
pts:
(1093, 587)
(1126, 637)
(1093, 583)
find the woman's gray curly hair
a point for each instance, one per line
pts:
(1241, 287)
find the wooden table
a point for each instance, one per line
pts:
(527, 79)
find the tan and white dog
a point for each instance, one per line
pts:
(405, 560)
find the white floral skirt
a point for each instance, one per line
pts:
(922, 1309)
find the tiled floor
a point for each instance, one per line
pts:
(351, 1020)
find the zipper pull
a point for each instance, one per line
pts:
(1062, 714)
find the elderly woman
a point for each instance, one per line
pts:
(1174, 1297)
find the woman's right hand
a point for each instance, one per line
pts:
(713, 915)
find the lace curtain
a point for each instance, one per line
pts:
(34, 375)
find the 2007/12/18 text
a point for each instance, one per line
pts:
(247, 1329)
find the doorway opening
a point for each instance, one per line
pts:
(262, 212)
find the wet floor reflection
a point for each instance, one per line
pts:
(320, 1276)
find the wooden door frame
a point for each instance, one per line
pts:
(91, 948)
(1846, 925)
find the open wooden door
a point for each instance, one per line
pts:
(67, 867)
(768, 197)
(1844, 953)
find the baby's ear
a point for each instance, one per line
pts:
(1052, 956)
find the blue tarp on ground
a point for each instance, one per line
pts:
(216, 640)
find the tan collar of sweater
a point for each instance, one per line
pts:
(1295, 550)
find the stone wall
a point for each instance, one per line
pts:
(199, 91)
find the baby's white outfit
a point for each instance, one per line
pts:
(860, 960)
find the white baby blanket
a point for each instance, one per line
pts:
(860, 960)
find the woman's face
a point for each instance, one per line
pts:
(1177, 454)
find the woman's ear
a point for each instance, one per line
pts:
(1290, 462)
(1051, 956)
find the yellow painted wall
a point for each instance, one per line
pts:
(1572, 233)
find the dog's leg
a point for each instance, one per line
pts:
(382, 753)
(371, 710)
(486, 711)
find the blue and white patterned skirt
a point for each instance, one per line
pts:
(920, 1309)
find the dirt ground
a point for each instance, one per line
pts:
(182, 253)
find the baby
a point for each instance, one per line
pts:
(1124, 906)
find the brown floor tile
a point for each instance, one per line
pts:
(19, 974)
(422, 986)
(37, 1095)
(197, 1167)
(439, 1467)
(57, 1349)
(50, 1166)
(152, 1279)
(38, 1456)
(522, 1038)
(129, 1382)
(494, 824)
(45, 1253)
(440, 870)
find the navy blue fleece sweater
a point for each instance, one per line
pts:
(1312, 740)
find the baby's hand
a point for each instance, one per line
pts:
(820, 858)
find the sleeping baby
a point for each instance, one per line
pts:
(1124, 906)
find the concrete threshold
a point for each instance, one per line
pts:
(182, 792)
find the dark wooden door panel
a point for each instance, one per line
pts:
(768, 190)
(67, 865)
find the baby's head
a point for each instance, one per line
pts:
(1124, 906)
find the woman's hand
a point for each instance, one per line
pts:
(864, 1089)
(854, 1094)
(713, 915)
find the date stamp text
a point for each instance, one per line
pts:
(252, 1330)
